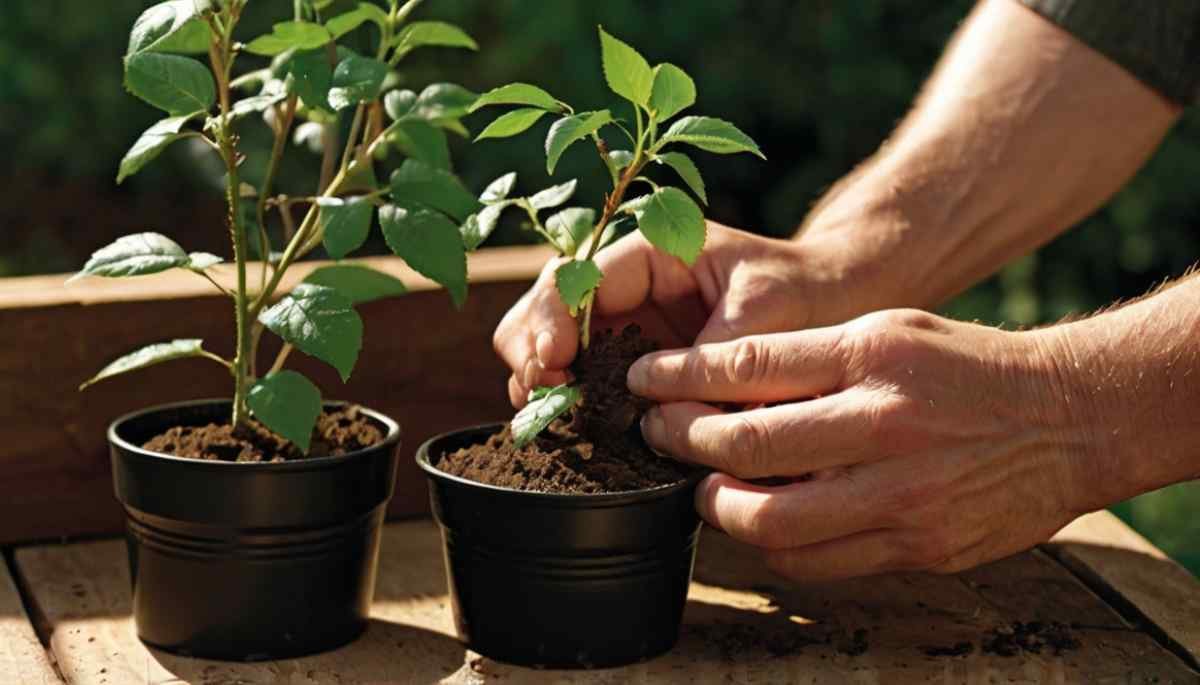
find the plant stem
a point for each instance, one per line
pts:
(281, 133)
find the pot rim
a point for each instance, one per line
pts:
(390, 440)
(579, 498)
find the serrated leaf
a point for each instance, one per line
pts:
(711, 134)
(152, 142)
(347, 22)
(290, 35)
(554, 195)
(512, 123)
(199, 261)
(287, 403)
(478, 227)
(178, 85)
(569, 130)
(673, 91)
(357, 282)
(499, 189)
(149, 356)
(139, 254)
(320, 322)
(310, 76)
(575, 281)
(356, 79)
(687, 170)
(173, 26)
(422, 141)
(518, 94)
(432, 34)
(344, 224)
(627, 72)
(673, 223)
(417, 183)
(430, 244)
(541, 412)
(570, 228)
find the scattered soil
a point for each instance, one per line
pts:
(957, 649)
(1032, 637)
(595, 448)
(737, 642)
(337, 433)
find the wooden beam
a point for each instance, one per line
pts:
(425, 364)
(22, 658)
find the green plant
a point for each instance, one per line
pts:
(309, 83)
(667, 216)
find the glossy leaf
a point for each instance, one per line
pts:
(134, 255)
(554, 195)
(620, 158)
(310, 76)
(429, 243)
(149, 356)
(356, 79)
(320, 322)
(177, 85)
(347, 22)
(199, 261)
(673, 223)
(357, 282)
(344, 224)
(443, 101)
(422, 141)
(152, 142)
(569, 130)
(518, 94)
(432, 34)
(476, 229)
(673, 92)
(173, 26)
(575, 281)
(627, 72)
(399, 103)
(499, 189)
(570, 228)
(711, 134)
(287, 403)
(687, 170)
(418, 184)
(541, 412)
(512, 123)
(290, 35)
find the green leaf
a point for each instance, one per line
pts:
(627, 72)
(134, 255)
(500, 188)
(287, 403)
(713, 135)
(177, 85)
(554, 195)
(152, 142)
(290, 35)
(173, 26)
(621, 158)
(576, 280)
(417, 183)
(254, 104)
(673, 92)
(541, 412)
(320, 322)
(570, 228)
(569, 130)
(430, 244)
(478, 227)
(432, 33)
(358, 283)
(422, 141)
(519, 94)
(199, 261)
(149, 356)
(686, 168)
(310, 76)
(443, 101)
(673, 223)
(356, 79)
(345, 23)
(344, 224)
(399, 103)
(512, 123)
(539, 393)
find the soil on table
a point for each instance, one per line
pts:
(337, 433)
(597, 447)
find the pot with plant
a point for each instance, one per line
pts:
(568, 542)
(253, 523)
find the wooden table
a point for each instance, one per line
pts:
(1128, 615)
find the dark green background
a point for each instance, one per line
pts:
(818, 84)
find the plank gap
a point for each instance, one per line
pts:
(37, 618)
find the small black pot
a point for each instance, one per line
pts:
(562, 580)
(249, 561)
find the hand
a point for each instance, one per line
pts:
(940, 445)
(742, 284)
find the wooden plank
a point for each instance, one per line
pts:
(22, 658)
(742, 625)
(1135, 576)
(428, 366)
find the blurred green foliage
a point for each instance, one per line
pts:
(818, 84)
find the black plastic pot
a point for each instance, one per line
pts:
(562, 580)
(249, 561)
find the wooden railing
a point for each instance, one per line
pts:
(427, 365)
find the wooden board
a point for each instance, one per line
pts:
(742, 625)
(430, 367)
(22, 658)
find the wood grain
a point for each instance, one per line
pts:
(742, 625)
(22, 658)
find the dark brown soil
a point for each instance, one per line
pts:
(956, 649)
(595, 448)
(1032, 637)
(337, 433)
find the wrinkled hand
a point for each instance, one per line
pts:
(936, 444)
(741, 284)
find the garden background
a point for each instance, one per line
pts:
(818, 84)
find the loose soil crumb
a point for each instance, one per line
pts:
(737, 642)
(1031, 637)
(595, 448)
(336, 434)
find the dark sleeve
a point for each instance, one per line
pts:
(1157, 41)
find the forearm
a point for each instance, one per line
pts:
(1021, 132)
(1130, 388)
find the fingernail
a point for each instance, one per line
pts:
(638, 377)
(654, 429)
(544, 346)
(531, 373)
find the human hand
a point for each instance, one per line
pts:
(741, 284)
(940, 445)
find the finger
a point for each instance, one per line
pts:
(517, 394)
(783, 517)
(861, 554)
(638, 275)
(785, 440)
(538, 330)
(518, 391)
(739, 313)
(761, 368)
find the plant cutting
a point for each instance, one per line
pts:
(569, 542)
(253, 523)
